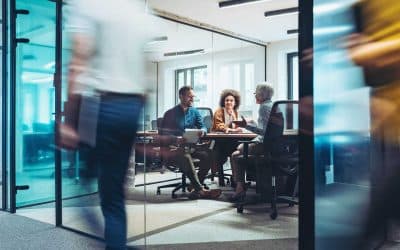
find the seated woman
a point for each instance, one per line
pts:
(263, 95)
(222, 122)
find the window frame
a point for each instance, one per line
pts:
(185, 71)
(290, 56)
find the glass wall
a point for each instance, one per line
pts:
(342, 130)
(1, 108)
(209, 62)
(185, 55)
(35, 101)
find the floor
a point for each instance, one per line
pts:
(165, 223)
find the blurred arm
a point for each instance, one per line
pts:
(82, 49)
(378, 54)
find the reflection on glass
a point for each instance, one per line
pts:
(342, 139)
(35, 103)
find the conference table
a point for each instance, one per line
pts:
(221, 138)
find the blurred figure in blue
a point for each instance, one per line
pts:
(107, 63)
(377, 49)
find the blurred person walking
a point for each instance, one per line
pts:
(377, 49)
(107, 62)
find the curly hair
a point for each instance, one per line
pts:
(230, 92)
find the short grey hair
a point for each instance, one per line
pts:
(264, 91)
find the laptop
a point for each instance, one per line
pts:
(192, 135)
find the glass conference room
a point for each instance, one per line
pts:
(56, 186)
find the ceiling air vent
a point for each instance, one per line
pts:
(186, 52)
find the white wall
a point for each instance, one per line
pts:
(214, 62)
(277, 65)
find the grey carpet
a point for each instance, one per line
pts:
(277, 244)
(21, 233)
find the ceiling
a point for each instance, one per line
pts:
(181, 37)
(246, 20)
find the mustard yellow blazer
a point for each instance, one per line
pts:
(219, 120)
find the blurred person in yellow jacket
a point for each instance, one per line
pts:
(377, 49)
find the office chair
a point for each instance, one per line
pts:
(154, 125)
(280, 158)
(207, 115)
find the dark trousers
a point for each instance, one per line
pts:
(223, 149)
(184, 160)
(116, 132)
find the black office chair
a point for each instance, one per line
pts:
(207, 115)
(280, 158)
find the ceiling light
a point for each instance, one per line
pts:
(234, 3)
(281, 12)
(158, 40)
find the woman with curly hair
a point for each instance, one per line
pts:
(222, 122)
(229, 103)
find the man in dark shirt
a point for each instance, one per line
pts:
(175, 121)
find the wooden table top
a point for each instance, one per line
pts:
(221, 134)
(230, 135)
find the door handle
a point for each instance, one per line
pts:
(21, 187)
(22, 12)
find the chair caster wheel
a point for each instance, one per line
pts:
(273, 215)
(174, 196)
(239, 209)
(158, 192)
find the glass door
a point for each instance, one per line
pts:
(34, 101)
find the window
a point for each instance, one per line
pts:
(293, 73)
(195, 77)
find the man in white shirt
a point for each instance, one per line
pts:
(108, 38)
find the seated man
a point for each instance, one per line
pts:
(263, 95)
(173, 126)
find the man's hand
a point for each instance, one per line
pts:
(69, 138)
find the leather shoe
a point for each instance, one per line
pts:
(238, 197)
(210, 194)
